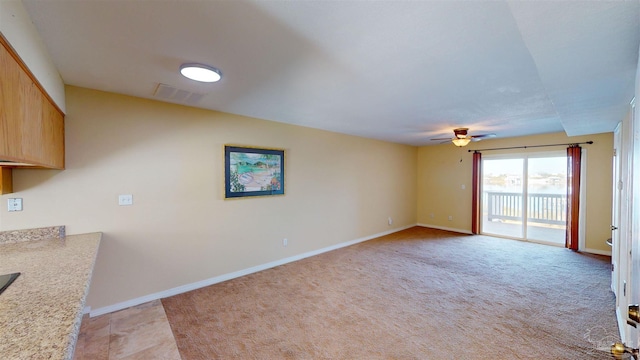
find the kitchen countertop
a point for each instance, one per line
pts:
(41, 312)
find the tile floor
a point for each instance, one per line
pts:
(140, 332)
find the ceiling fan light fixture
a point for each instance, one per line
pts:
(460, 133)
(200, 72)
(461, 141)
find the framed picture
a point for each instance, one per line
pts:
(250, 171)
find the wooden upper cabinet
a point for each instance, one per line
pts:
(31, 125)
(10, 109)
(53, 135)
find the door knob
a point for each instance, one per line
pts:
(614, 228)
(634, 313)
(619, 349)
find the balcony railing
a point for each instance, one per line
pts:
(542, 208)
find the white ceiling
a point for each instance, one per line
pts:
(402, 71)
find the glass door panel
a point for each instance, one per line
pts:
(546, 199)
(502, 191)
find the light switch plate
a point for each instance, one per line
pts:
(124, 200)
(14, 204)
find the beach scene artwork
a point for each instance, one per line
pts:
(254, 172)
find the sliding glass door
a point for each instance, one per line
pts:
(547, 199)
(524, 197)
(502, 195)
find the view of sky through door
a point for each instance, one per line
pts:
(524, 197)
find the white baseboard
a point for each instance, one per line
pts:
(446, 228)
(586, 250)
(86, 310)
(229, 276)
(596, 251)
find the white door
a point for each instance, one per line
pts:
(627, 291)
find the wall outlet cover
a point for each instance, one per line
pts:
(14, 204)
(125, 200)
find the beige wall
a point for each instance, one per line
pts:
(180, 230)
(444, 169)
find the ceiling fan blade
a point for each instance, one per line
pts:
(462, 133)
(484, 136)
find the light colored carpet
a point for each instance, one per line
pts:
(416, 294)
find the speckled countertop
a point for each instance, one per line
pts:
(41, 312)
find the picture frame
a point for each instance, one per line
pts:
(253, 171)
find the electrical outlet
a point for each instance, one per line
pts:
(14, 204)
(390, 221)
(285, 242)
(125, 200)
(431, 215)
(450, 218)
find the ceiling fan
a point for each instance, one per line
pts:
(462, 139)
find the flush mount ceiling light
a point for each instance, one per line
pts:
(199, 72)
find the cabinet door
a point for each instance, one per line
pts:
(10, 100)
(42, 130)
(32, 127)
(31, 144)
(52, 135)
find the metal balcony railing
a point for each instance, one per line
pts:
(541, 208)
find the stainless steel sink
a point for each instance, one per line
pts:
(6, 280)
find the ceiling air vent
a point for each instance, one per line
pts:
(168, 92)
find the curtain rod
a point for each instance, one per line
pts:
(531, 146)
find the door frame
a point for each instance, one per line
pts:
(634, 251)
(615, 211)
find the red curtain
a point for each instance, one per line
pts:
(573, 196)
(475, 205)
